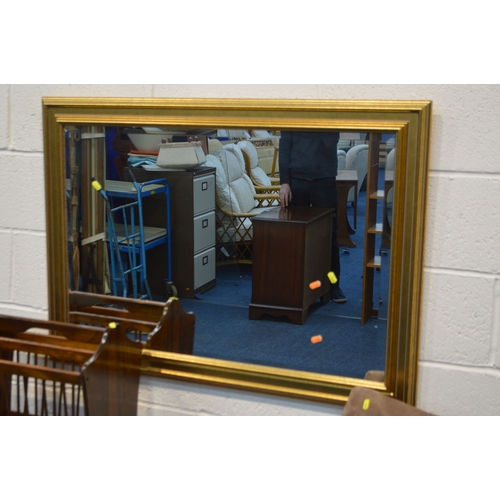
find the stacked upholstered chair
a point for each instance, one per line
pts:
(341, 159)
(357, 159)
(260, 134)
(233, 134)
(237, 202)
(233, 148)
(344, 144)
(389, 166)
(267, 146)
(253, 169)
(214, 145)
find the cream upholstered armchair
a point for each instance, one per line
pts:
(267, 146)
(344, 144)
(262, 183)
(341, 159)
(214, 145)
(389, 167)
(237, 202)
(252, 167)
(357, 159)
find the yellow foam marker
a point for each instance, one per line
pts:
(366, 404)
(112, 325)
(173, 298)
(96, 185)
(314, 285)
(332, 277)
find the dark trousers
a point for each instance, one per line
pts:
(319, 193)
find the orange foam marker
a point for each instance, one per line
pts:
(332, 277)
(316, 339)
(314, 285)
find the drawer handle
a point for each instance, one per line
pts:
(204, 223)
(204, 186)
(205, 260)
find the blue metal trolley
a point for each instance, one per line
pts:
(127, 235)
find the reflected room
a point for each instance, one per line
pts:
(194, 214)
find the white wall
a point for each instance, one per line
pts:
(459, 369)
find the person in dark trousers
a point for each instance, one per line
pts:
(308, 171)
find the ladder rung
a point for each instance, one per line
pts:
(376, 262)
(377, 228)
(150, 233)
(377, 195)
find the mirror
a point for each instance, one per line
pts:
(407, 121)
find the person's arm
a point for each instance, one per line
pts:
(284, 163)
(285, 152)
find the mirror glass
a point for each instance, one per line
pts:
(351, 344)
(94, 149)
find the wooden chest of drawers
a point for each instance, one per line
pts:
(291, 249)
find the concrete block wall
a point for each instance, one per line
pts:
(459, 357)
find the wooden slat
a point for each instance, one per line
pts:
(40, 372)
(59, 352)
(97, 319)
(42, 338)
(15, 324)
(144, 310)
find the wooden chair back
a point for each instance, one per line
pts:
(157, 325)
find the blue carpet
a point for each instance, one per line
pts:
(223, 330)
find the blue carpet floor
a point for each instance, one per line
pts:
(347, 349)
(223, 330)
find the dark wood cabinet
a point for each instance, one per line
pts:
(291, 250)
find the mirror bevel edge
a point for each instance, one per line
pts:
(409, 119)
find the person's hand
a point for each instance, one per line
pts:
(285, 195)
(285, 214)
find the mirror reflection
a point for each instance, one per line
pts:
(196, 214)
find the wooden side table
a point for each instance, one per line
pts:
(291, 249)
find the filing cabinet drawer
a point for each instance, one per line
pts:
(204, 267)
(203, 194)
(204, 231)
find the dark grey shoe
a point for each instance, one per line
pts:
(337, 295)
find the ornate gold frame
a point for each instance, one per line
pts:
(410, 120)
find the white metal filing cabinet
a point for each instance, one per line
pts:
(192, 209)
